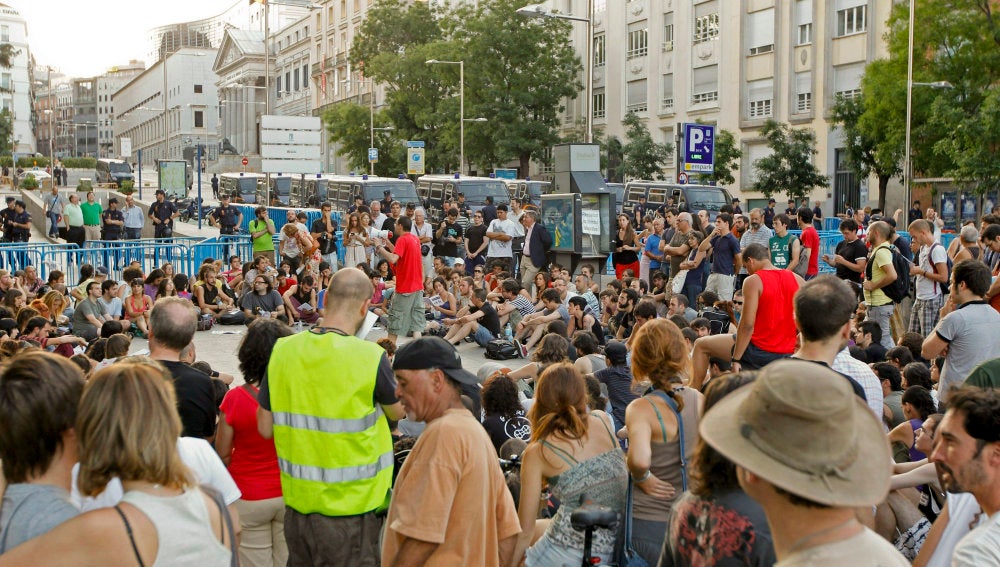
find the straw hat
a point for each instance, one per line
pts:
(801, 427)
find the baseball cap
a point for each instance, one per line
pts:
(616, 352)
(459, 261)
(101, 271)
(433, 352)
(779, 428)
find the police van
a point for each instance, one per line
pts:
(691, 198)
(341, 190)
(434, 190)
(280, 190)
(528, 191)
(241, 187)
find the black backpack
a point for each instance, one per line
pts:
(899, 289)
(502, 349)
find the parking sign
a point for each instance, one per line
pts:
(699, 148)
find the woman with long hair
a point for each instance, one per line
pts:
(56, 302)
(448, 306)
(696, 268)
(137, 307)
(127, 427)
(14, 300)
(662, 431)
(715, 522)
(355, 240)
(542, 282)
(575, 452)
(166, 288)
(152, 283)
(626, 247)
(251, 459)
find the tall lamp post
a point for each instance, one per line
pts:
(371, 115)
(537, 11)
(461, 108)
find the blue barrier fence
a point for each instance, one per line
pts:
(279, 215)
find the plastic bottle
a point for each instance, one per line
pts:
(508, 332)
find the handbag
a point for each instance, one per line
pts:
(625, 554)
(677, 284)
(804, 253)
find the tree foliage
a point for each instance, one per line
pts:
(643, 158)
(348, 125)
(727, 159)
(6, 132)
(789, 168)
(517, 73)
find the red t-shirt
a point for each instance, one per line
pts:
(254, 463)
(289, 282)
(775, 330)
(810, 239)
(410, 266)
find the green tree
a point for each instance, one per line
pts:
(789, 168)
(727, 159)
(6, 132)
(643, 158)
(348, 125)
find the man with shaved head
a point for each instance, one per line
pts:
(325, 400)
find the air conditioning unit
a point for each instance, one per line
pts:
(668, 46)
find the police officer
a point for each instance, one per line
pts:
(114, 221)
(215, 185)
(6, 217)
(20, 222)
(163, 213)
(226, 216)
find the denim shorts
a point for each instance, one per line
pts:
(483, 336)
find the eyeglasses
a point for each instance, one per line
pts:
(477, 271)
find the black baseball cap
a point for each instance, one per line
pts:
(433, 352)
(616, 352)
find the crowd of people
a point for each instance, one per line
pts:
(725, 400)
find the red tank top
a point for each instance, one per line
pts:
(774, 329)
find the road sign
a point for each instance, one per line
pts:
(415, 159)
(372, 155)
(126, 148)
(290, 144)
(699, 148)
(246, 162)
(682, 178)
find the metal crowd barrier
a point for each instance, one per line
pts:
(279, 215)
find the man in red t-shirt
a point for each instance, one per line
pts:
(810, 240)
(406, 307)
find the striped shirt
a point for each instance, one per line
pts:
(762, 237)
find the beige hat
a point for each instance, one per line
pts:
(801, 427)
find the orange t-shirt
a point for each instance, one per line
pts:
(451, 492)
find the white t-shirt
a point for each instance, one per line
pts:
(196, 453)
(499, 248)
(930, 256)
(962, 509)
(981, 546)
(426, 231)
(866, 548)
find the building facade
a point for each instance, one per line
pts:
(735, 65)
(191, 103)
(18, 82)
(107, 85)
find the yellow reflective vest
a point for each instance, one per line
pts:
(334, 445)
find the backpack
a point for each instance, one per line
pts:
(804, 253)
(899, 289)
(502, 349)
(946, 286)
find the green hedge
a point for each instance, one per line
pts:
(79, 163)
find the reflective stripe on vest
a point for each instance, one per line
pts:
(345, 474)
(333, 443)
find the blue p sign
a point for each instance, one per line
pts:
(699, 148)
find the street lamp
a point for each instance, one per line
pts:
(371, 115)
(537, 11)
(907, 166)
(461, 108)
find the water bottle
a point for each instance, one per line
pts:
(508, 332)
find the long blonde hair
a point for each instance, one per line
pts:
(128, 426)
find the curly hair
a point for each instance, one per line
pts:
(712, 473)
(499, 396)
(552, 349)
(255, 349)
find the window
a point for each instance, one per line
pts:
(667, 97)
(600, 108)
(851, 20)
(288, 81)
(760, 98)
(638, 41)
(636, 96)
(199, 119)
(847, 80)
(197, 89)
(5, 81)
(668, 32)
(305, 76)
(805, 34)
(706, 28)
(295, 74)
(5, 33)
(705, 84)
(600, 55)
(277, 86)
(760, 32)
(803, 92)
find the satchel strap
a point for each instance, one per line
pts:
(680, 432)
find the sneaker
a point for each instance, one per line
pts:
(521, 349)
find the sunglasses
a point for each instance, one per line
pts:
(477, 271)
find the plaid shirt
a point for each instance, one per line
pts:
(864, 375)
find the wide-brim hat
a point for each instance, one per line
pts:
(800, 427)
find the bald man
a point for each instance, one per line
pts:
(329, 394)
